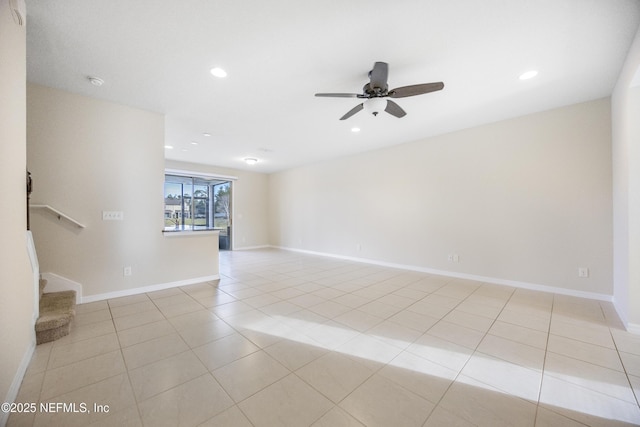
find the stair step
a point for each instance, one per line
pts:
(43, 283)
(57, 311)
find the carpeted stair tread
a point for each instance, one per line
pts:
(43, 283)
(58, 301)
(53, 320)
(57, 310)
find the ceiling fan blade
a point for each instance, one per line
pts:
(339, 95)
(404, 91)
(394, 109)
(378, 76)
(352, 111)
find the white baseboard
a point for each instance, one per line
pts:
(621, 312)
(248, 248)
(56, 283)
(634, 328)
(12, 393)
(150, 288)
(494, 280)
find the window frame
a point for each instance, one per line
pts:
(196, 179)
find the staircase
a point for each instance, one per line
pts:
(57, 311)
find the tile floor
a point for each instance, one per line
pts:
(287, 339)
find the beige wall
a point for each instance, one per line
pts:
(249, 202)
(89, 156)
(525, 200)
(16, 286)
(625, 114)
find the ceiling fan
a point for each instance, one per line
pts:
(377, 89)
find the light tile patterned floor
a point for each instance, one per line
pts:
(287, 339)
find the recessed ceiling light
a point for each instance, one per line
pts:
(194, 143)
(250, 160)
(218, 72)
(184, 150)
(169, 147)
(355, 130)
(96, 81)
(207, 134)
(528, 75)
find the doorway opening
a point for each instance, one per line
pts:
(222, 212)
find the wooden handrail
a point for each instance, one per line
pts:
(59, 214)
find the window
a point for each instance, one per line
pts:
(196, 203)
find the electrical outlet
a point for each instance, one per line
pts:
(583, 272)
(126, 271)
(112, 215)
(450, 258)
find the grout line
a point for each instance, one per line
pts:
(635, 395)
(544, 362)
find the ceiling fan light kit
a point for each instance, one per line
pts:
(375, 92)
(374, 105)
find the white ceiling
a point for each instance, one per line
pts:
(156, 55)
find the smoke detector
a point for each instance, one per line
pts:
(96, 81)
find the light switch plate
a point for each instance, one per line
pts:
(112, 215)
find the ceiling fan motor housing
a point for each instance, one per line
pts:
(372, 91)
